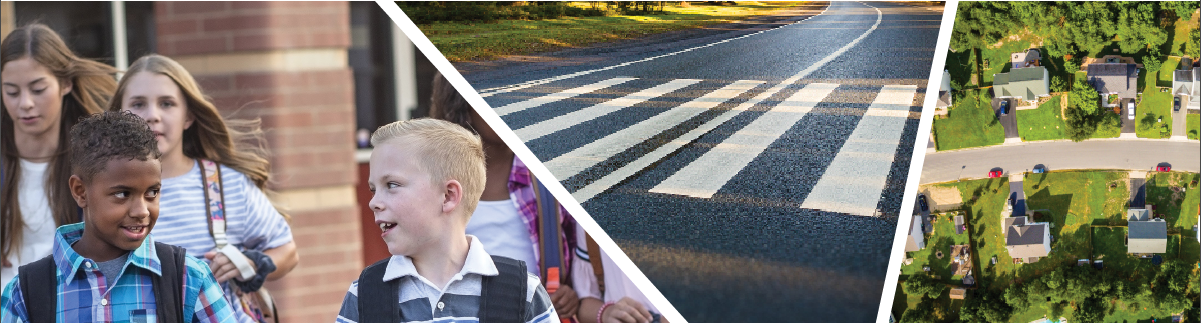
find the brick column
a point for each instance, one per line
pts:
(286, 63)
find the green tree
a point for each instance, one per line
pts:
(1182, 9)
(986, 307)
(1093, 309)
(922, 313)
(1137, 27)
(1191, 48)
(1171, 286)
(922, 284)
(1084, 97)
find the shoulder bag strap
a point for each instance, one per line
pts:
(548, 230)
(168, 288)
(594, 258)
(379, 301)
(214, 198)
(39, 286)
(502, 297)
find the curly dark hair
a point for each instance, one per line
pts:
(106, 136)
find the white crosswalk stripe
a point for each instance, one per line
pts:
(703, 177)
(565, 121)
(851, 183)
(862, 165)
(559, 96)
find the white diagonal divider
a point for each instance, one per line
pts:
(707, 174)
(582, 158)
(565, 121)
(559, 96)
(854, 180)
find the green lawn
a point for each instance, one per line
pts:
(1193, 122)
(941, 239)
(971, 122)
(1177, 201)
(1155, 104)
(1180, 35)
(463, 41)
(997, 59)
(1044, 123)
(1165, 72)
(1109, 244)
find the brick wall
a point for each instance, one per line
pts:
(6, 18)
(285, 62)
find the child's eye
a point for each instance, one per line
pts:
(393, 185)
(152, 193)
(121, 194)
(38, 91)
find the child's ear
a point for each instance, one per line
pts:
(453, 196)
(188, 120)
(78, 191)
(65, 87)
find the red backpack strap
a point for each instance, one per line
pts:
(214, 198)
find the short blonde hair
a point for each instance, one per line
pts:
(446, 150)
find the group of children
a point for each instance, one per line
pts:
(461, 215)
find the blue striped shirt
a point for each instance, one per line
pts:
(83, 294)
(252, 222)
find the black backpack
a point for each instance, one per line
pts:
(502, 297)
(39, 281)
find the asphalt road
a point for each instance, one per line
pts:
(745, 175)
(1060, 155)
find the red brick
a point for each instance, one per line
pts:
(199, 7)
(200, 45)
(173, 27)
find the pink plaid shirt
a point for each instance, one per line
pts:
(525, 199)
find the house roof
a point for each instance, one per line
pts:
(1183, 82)
(916, 239)
(1119, 78)
(1027, 83)
(1027, 241)
(1014, 220)
(1148, 237)
(1138, 215)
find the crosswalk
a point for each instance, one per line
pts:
(852, 182)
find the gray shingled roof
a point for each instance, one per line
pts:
(1148, 237)
(1117, 78)
(1027, 83)
(1027, 241)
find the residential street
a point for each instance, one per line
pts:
(746, 175)
(1060, 155)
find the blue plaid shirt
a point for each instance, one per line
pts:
(83, 295)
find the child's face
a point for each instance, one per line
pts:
(33, 97)
(408, 206)
(156, 98)
(120, 204)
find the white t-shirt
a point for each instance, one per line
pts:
(498, 225)
(37, 237)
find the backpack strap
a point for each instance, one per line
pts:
(39, 286)
(168, 288)
(379, 301)
(548, 231)
(502, 297)
(594, 258)
(214, 198)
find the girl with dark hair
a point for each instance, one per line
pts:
(47, 88)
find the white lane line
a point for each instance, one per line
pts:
(582, 158)
(565, 121)
(510, 88)
(707, 174)
(604, 183)
(856, 177)
(559, 96)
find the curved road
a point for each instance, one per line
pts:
(1058, 155)
(741, 175)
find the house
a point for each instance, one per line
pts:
(944, 90)
(1028, 58)
(1186, 83)
(1027, 242)
(1145, 235)
(1028, 83)
(917, 238)
(1120, 79)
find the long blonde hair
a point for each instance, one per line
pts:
(236, 143)
(92, 85)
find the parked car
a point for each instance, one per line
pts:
(1164, 168)
(921, 201)
(1004, 107)
(1176, 104)
(1130, 109)
(995, 173)
(1040, 170)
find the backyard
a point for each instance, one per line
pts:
(971, 122)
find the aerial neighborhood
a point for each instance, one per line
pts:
(1061, 176)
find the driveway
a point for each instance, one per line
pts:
(1009, 121)
(1179, 119)
(1127, 124)
(1138, 188)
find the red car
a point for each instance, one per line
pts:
(1164, 169)
(995, 173)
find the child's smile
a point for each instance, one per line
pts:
(120, 207)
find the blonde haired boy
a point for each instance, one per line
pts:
(427, 176)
